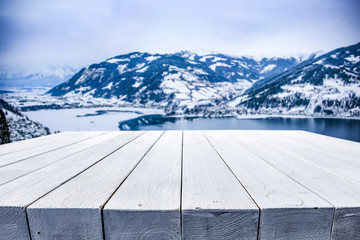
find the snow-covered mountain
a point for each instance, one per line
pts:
(177, 82)
(328, 85)
(48, 77)
(214, 84)
(19, 125)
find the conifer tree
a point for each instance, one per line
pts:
(4, 129)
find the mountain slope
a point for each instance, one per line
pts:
(187, 83)
(19, 125)
(176, 82)
(327, 85)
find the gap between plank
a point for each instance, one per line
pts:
(64, 158)
(181, 183)
(103, 205)
(313, 164)
(258, 228)
(289, 176)
(32, 147)
(332, 223)
(27, 220)
(27, 223)
(50, 150)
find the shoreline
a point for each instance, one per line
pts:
(160, 111)
(263, 116)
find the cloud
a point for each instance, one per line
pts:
(36, 33)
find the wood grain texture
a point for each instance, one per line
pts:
(262, 182)
(323, 152)
(334, 189)
(129, 182)
(23, 191)
(57, 226)
(88, 192)
(33, 142)
(147, 205)
(19, 169)
(342, 194)
(13, 223)
(42, 149)
(214, 204)
(347, 146)
(346, 224)
(219, 224)
(296, 224)
(130, 224)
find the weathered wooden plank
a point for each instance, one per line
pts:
(346, 223)
(342, 194)
(343, 150)
(214, 203)
(33, 142)
(287, 206)
(16, 195)
(29, 165)
(323, 152)
(42, 149)
(169, 228)
(280, 150)
(78, 203)
(147, 205)
(334, 141)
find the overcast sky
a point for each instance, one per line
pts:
(38, 33)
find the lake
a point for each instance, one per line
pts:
(87, 119)
(112, 119)
(341, 128)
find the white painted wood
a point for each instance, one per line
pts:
(147, 205)
(19, 169)
(322, 153)
(78, 203)
(346, 144)
(18, 194)
(33, 142)
(290, 208)
(340, 149)
(35, 151)
(214, 204)
(342, 194)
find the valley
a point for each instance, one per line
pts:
(183, 85)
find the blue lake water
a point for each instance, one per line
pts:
(340, 128)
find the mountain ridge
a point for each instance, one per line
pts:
(184, 81)
(170, 80)
(330, 85)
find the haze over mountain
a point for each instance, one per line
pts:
(48, 77)
(37, 33)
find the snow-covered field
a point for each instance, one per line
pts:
(21, 98)
(87, 119)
